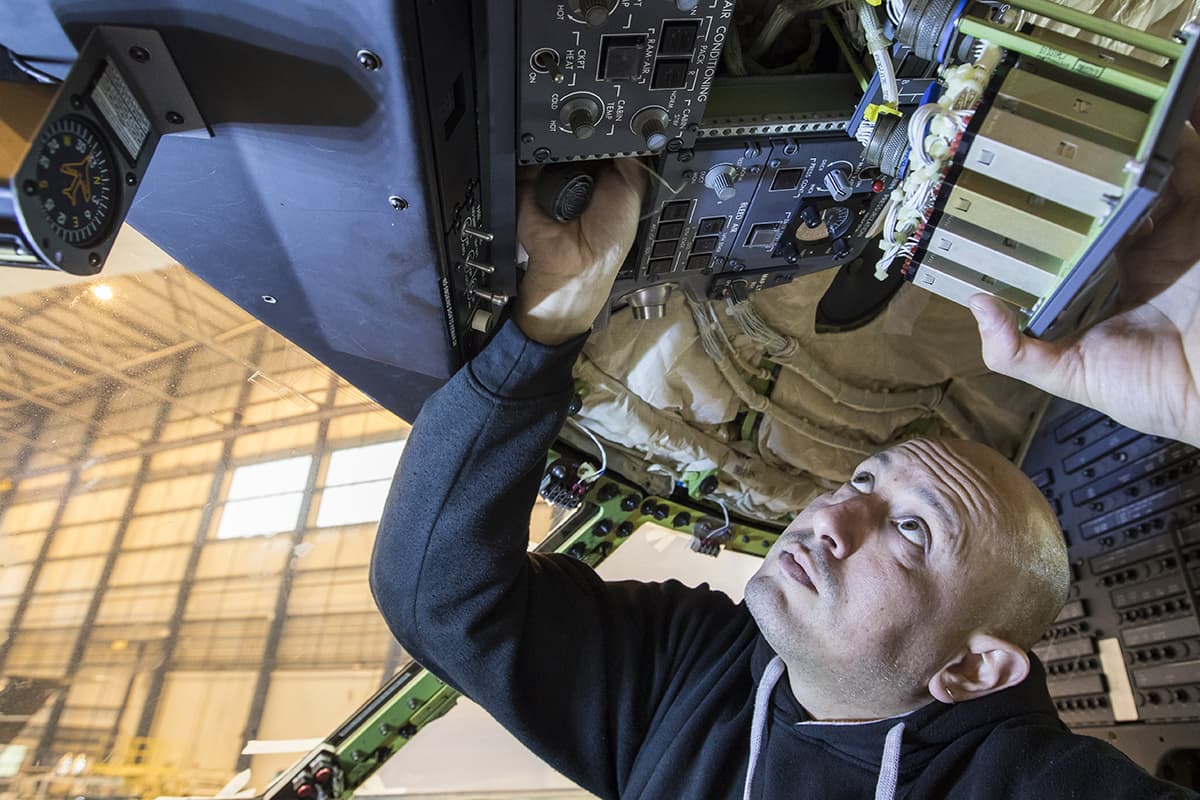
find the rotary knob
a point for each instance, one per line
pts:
(580, 114)
(721, 180)
(563, 191)
(594, 12)
(652, 123)
(838, 184)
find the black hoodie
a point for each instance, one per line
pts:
(648, 690)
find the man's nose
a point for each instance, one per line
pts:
(843, 526)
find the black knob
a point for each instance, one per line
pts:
(810, 216)
(583, 124)
(564, 191)
(580, 113)
(594, 12)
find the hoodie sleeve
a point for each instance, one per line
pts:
(571, 665)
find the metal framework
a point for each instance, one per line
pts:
(270, 656)
(175, 623)
(84, 634)
(72, 483)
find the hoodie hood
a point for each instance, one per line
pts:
(916, 738)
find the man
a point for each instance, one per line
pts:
(899, 608)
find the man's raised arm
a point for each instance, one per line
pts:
(556, 655)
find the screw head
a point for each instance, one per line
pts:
(397, 202)
(527, 138)
(174, 117)
(76, 101)
(674, 145)
(139, 54)
(94, 259)
(29, 187)
(685, 156)
(130, 179)
(541, 154)
(368, 60)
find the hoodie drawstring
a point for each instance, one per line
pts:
(762, 698)
(889, 763)
(889, 767)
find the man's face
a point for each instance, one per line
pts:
(871, 589)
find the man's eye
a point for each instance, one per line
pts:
(913, 530)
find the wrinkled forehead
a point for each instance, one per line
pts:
(965, 480)
(953, 461)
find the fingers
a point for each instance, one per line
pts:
(620, 183)
(1007, 351)
(1186, 177)
(532, 222)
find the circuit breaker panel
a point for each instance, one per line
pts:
(1123, 658)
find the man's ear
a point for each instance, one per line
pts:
(987, 664)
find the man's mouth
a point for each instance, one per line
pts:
(795, 570)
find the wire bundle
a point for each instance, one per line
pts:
(934, 131)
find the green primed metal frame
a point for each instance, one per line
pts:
(1122, 73)
(1093, 23)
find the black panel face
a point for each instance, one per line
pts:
(606, 79)
(1129, 505)
(753, 209)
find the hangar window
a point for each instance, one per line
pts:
(264, 498)
(357, 484)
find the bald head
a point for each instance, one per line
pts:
(1027, 577)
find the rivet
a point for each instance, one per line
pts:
(368, 60)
